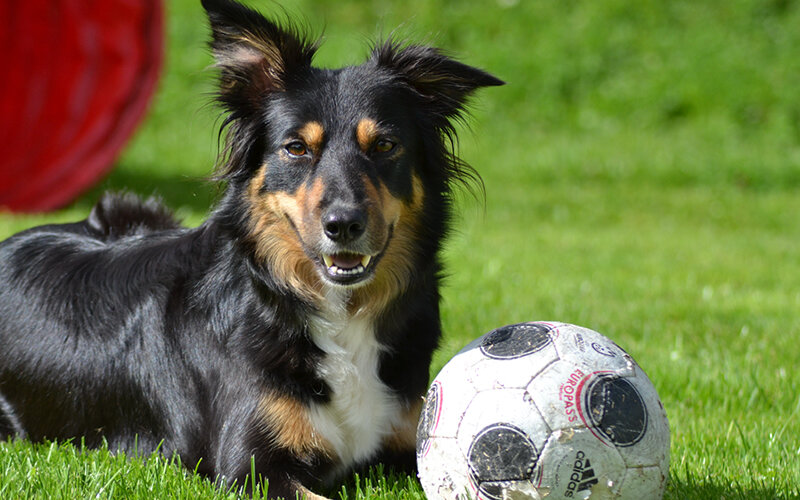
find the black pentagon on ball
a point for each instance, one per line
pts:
(616, 410)
(516, 341)
(500, 452)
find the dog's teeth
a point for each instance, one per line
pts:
(330, 265)
(344, 272)
(355, 270)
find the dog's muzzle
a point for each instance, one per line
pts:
(347, 256)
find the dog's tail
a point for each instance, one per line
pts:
(117, 215)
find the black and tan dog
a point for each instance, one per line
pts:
(296, 325)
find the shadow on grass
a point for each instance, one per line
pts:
(376, 482)
(721, 488)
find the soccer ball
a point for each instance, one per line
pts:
(542, 410)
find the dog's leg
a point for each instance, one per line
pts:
(10, 426)
(289, 489)
(399, 449)
(304, 493)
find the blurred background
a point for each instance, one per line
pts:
(673, 92)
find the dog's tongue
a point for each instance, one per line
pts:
(344, 261)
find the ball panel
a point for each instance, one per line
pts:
(613, 408)
(510, 373)
(589, 349)
(429, 418)
(443, 471)
(499, 455)
(643, 482)
(653, 447)
(501, 452)
(510, 407)
(515, 341)
(509, 490)
(461, 363)
(554, 391)
(574, 464)
(454, 398)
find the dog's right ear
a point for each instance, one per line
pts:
(255, 55)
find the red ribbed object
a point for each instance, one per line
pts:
(78, 76)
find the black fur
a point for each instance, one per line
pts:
(204, 341)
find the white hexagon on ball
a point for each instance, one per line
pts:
(542, 410)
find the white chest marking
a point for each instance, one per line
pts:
(362, 410)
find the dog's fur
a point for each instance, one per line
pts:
(296, 325)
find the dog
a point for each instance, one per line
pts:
(293, 330)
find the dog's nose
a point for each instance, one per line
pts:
(344, 224)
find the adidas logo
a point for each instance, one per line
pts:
(582, 477)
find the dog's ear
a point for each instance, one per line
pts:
(444, 82)
(255, 55)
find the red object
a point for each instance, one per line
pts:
(76, 80)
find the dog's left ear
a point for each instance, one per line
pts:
(255, 55)
(444, 82)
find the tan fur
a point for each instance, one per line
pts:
(288, 422)
(313, 134)
(394, 270)
(276, 243)
(267, 54)
(404, 437)
(306, 494)
(366, 132)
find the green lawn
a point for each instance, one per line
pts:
(642, 172)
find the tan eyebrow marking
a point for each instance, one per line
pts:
(313, 134)
(367, 131)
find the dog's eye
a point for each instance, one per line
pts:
(384, 146)
(297, 148)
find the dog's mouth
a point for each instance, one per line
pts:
(348, 268)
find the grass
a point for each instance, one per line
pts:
(65, 471)
(642, 170)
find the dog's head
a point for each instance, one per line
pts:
(342, 175)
